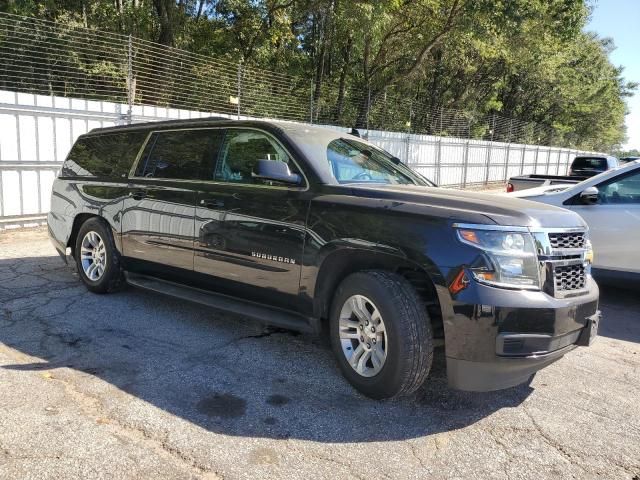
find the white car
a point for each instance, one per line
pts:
(610, 204)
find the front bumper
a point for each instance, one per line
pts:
(496, 338)
(508, 371)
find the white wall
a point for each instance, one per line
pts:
(37, 132)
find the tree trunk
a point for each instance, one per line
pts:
(200, 9)
(164, 9)
(320, 60)
(346, 58)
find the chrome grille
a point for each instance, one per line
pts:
(560, 240)
(569, 277)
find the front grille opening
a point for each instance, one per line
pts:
(569, 277)
(562, 240)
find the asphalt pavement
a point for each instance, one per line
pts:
(138, 385)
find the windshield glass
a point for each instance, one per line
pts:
(356, 162)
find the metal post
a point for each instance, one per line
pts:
(524, 153)
(465, 165)
(487, 162)
(493, 128)
(369, 107)
(548, 161)
(408, 138)
(535, 166)
(407, 146)
(239, 82)
(311, 102)
(438, 160)
(506, 160)
(130, 80)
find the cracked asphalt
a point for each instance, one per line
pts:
(137, 385)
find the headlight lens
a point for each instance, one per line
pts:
(508, 260)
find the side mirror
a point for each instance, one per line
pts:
(589, 196)
(276, 171)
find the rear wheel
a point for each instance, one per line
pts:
(381, 334)
(97, 258)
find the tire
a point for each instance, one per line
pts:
(404, 348)
(111, 277)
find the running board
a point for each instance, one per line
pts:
(263, 313)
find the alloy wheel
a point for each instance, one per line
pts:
(363, 335)
(93, 256)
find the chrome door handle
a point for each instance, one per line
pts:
(212, 203)
(138, 194)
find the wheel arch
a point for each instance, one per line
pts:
(79, 220)
(423, 275)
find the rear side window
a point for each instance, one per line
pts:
(589, 163)
(181, 154)
(108, 155)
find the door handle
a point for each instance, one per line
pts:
(138, 194)
(212, 203)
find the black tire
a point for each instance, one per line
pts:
(112, 279)
(408, 333)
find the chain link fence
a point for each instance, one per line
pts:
(43, 57)
(58, 82)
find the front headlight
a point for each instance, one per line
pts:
(508, 258)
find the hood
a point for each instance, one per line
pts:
(498, 209)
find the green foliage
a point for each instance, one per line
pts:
(456, 67)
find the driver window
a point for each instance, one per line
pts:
(240, 153)
(623, 190)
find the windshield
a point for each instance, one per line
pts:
(356, 162)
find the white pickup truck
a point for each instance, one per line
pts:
(581, 168)
(610, 204)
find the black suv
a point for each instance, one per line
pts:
(313, 229)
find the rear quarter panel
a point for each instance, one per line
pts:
(72, 197)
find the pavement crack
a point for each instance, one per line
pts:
(561, 449)
(414, 452)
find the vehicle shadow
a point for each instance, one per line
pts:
(219, 372)
(620, 305)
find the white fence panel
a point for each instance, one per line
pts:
(37, 132)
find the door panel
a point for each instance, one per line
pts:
(614, 223)
(251, 237)
(613, 230)
(250, 231)
(158, 224)
(158, 218)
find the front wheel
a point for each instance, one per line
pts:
(381, 334)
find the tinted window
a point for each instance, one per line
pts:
(589, 163)
(241, 151)
(356, 162)
(107, 155)
(621, 190)
(180, 154)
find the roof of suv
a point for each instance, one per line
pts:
(288, 127)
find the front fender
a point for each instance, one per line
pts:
(322, 272)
